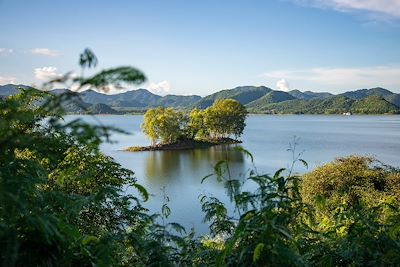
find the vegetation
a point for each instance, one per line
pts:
(271, 97)
(307, 95)
(63, 203)
(345, 213)
(331, 105)
(355, 208)
(256, 99)
(243, 94)
(224, 118)
(373, 105)
(162, 124)
(61, 200)
(101, 109)
(394, 99)
(362, 93)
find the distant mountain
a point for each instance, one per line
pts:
(243, 94)
(101, 108)
(358, 94)
(377, 91)
(373, 104)
(271, 97)
(75, 106)
(255, 98)
(10, 89)
(394, 99)
(134, 98)
(127, 104)
(333, 105)
(307, 95)
(140, 98)
(176, 101)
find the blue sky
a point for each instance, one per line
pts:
(199, 47)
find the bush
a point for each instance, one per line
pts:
(353, 180)
(353, 215)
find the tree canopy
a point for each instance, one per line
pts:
(222, 119)
(162, 124)
(225, 117)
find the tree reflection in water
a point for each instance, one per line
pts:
(163, 168)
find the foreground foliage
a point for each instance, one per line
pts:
(64, 203)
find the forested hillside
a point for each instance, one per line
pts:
(257, 99)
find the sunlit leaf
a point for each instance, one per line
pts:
(257, 251)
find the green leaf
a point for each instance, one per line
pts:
(88, 59)
(89, 239)
(278, 172)
(206, 177)
(219, 169)
(246, 152)
(304, 163)
(143, 192)
(177, 227)
(257, 251)
(115, 77)
(165, 210)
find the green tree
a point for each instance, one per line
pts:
(149, 125)
(225, 117)
(196, 126)
(163, 124)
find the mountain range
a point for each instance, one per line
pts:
(257, 99)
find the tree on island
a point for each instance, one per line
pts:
(162, 124)
(224, 118)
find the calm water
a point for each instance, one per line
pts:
(320, 138)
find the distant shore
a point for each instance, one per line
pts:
(252, 113)
(184, 145)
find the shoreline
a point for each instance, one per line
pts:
(250, 113)
(184, 145)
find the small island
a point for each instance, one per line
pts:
(169, 129)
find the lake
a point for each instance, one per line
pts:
(320, 139)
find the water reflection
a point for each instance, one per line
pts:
(164, 168)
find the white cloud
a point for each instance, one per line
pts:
(45, 52)
(378, 9)
(348, 78)
(161, 88)
(46, 73)
(283, 85)
(5, 51)
(7, 80)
